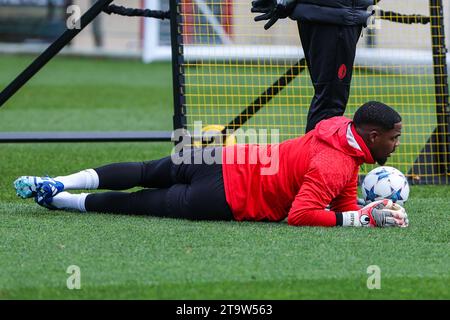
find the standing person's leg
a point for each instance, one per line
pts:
(330, 54)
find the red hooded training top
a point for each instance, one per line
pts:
(297, 178)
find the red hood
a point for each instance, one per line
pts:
(333, 132)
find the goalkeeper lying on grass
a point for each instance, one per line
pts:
(304, 176)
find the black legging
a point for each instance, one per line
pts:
(189, 191)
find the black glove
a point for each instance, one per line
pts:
(273, 10)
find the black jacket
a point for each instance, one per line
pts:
(341, 12)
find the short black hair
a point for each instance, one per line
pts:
(378, 114)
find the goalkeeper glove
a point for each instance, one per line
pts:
(273, 10)
(382, 213)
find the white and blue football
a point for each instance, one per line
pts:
(385, 183)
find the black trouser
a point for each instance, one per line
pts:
(330, 54)
(189, 191)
